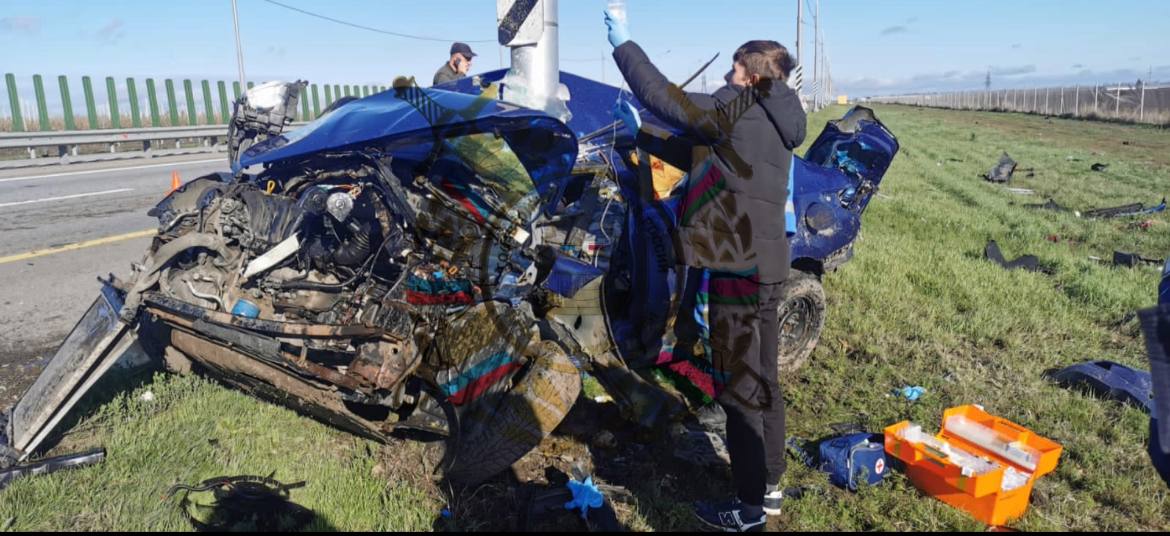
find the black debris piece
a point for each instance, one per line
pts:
(1002, 172)
(546, 508)
(1133, 260)
(1025, 262)
(1047, 205)
(797, 492)
(51, 465)
(1133, 209)
(244, 503)
(1098, 167)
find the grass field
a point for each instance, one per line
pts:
(917, 305)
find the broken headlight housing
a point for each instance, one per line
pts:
(261, 112)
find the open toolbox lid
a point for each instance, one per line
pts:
(1047, 451)
(1044, 452)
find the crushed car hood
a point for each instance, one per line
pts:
(407, 125)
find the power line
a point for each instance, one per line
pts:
(386, 32)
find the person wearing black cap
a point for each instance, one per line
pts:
(457, 66)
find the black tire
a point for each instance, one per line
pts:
(802, 317)
(501, 428)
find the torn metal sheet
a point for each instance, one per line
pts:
(96, 342)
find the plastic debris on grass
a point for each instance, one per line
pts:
(1026, 262)
(1110, 380)
(1003, 170)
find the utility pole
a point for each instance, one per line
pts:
(817, 55)
(799, 13)
(239, 48)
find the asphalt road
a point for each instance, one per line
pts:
(60, 228)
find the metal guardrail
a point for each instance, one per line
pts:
(17, 140)
(67, 144)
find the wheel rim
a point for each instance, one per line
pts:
(796, 325)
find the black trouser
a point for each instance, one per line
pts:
(744, 341)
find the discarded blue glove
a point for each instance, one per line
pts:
(912, 393)
(618, 31)
(629, 116)
(585, 496)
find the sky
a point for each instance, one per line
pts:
(873, 47)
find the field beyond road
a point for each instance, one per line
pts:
(917, 305)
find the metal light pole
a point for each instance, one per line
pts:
(817, 100)
(799, 12)
(239, 47)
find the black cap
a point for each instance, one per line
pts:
(462, 48)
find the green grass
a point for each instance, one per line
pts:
(919, 306)
(194, 430)
(916, 306)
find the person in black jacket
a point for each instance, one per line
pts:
(732, 224)
(457, 65)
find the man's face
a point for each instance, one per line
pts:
(462, 64)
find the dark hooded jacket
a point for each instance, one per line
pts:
(741, 141)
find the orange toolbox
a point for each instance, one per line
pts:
(982, 464)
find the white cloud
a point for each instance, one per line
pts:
(111, 32)
(28, 25)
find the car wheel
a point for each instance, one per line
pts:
(501, 428)
(802, 317)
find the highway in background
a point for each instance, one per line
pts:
(61, 227)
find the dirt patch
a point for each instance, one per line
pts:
(647, 487)
(19, 367)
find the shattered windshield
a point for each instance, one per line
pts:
(501, 182)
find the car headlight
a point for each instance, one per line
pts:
(819, 217)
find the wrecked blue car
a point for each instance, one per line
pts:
(438, 260)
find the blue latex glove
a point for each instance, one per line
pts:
(618, 32)
(629, 116)
(912, 393)
(585, 496)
